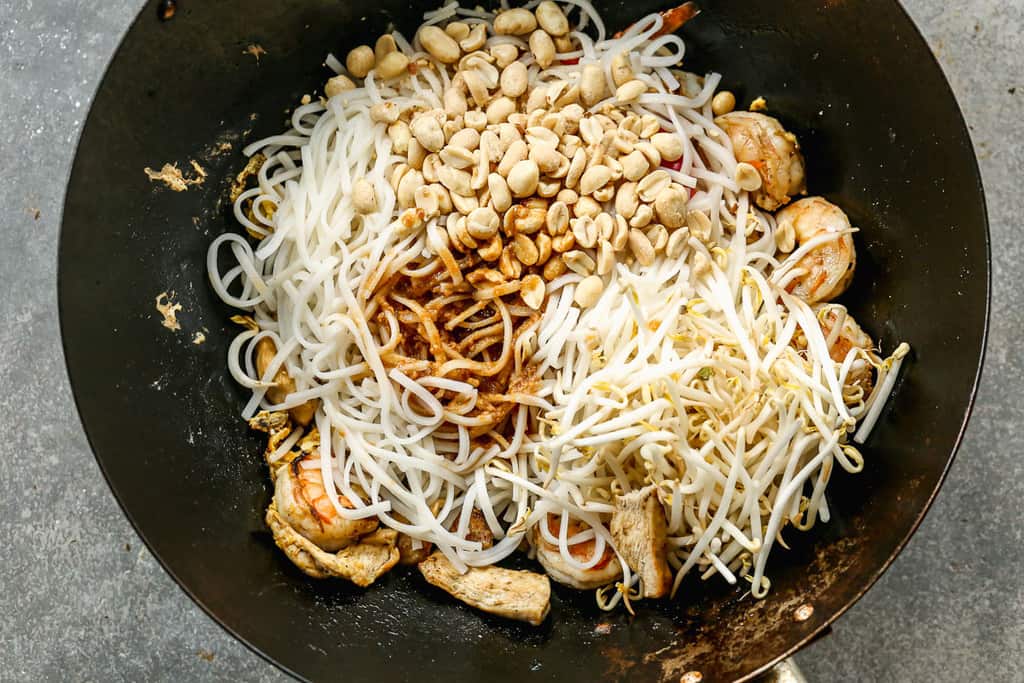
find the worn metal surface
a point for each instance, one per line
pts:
(95, 606)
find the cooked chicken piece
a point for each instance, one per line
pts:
(361, 563)
(407, 554)
(478, 529)
(638, 528)
(302, 502)
(279, 427)
(283, 383)
(269, 422)
(521, 595)
(601, 574)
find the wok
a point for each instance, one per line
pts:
(883, 138)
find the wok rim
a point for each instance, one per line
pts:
(973, 171)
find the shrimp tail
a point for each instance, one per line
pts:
(673, 19)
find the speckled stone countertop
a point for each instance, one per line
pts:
(83, 600)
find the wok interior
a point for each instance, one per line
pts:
(163, 415)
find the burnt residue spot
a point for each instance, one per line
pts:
(256, 50)
(165, 9)
(1012, 91)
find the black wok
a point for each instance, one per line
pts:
(883, 137)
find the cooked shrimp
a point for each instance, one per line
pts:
(604, 572)
(361, 563)
(828, 268)
(843, 334)
(673, 19)
(762, 142)
(302, 502)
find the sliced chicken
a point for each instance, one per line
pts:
(604, 572)
(284, 385)
(410, 555)
(478, 529)
(361, 563)
(638, 528)
(521, 595)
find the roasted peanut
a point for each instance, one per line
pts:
(523, 178)
(652, 185)
(630, 90)
(592, 85)
(605, 257)
(475, 39)
(641, 247)
(543, 48)
(622, 71)
(723, 102)
(391, 65)
(626, 200)
(747, 177)
(385, 45)
(514, 79)
(338, 85)
(482, 223)
(364, 197)
(588, 291)
(669, 146)
(439, 44)
(532, 291)
(552, 19)
(525, 250)
(399, 134)
(504, 54)
(555, 267)
(360, 60)
(514, 22)
(670, 206)
(579, 261)
(594, 179)
(586, 206)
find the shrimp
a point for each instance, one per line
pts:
(762, 142)
(362, 563)
(672, 19)
(828, 268)
(302, 502)
(842, 335)
(550, 557)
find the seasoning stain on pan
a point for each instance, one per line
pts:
(168, 309)
(171, 176)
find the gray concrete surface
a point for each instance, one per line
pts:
(82, 600)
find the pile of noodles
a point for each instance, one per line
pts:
(681, 376)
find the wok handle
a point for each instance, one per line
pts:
(785, 671)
